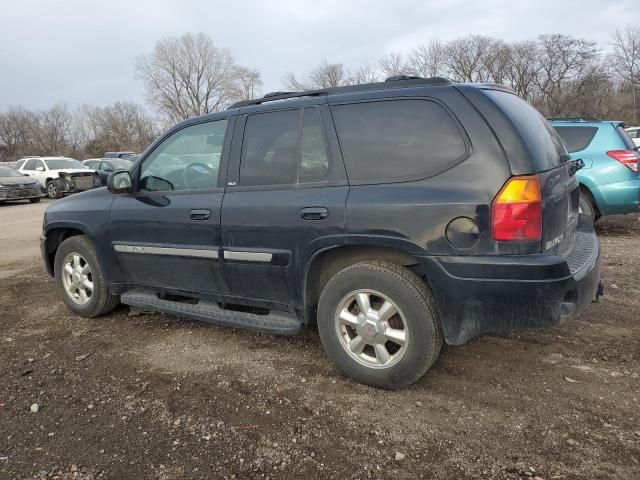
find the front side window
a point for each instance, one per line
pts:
(396, 139)
(187, 160)
(30, 164)
(40, 164)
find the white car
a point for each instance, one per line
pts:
(60, 175)
(634, 133)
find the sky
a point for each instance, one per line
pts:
(84, 51)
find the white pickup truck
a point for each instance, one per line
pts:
(60, 175)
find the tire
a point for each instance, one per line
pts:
(35, 200)
(100, 300)
(53, 190)
(417, 315)
(585, 206)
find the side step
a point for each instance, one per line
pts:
(277, 322)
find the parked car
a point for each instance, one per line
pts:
(634, 134)
(119, 154)
(106, 166)
(398, 215)
(609, 181)
(60, 175)
(89, 162)
(17, 186)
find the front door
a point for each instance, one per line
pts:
(166, 234)
(285, 200)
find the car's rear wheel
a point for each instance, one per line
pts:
(379, 324)
(53, 190)
(586, 207)
(80, 280)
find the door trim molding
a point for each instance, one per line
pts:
(177, 252)
(245, 256)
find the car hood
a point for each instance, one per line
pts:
(17, 181)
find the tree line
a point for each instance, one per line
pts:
(188, 75)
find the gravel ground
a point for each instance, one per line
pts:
(149, 396)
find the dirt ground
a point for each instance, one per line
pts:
(154, 397)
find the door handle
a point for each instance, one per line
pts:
(200, 214)
(314, 213)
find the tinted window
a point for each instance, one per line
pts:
(397, 138)
(187, 160)
(542, 141)
(270, 149)
(576, 138)
(39, 164)
(314, 161)
(30, 164)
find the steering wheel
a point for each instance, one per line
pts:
(198, 175)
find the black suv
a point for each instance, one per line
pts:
(397, 215)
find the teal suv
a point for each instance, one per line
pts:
(609, 180)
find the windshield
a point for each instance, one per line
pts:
(121, 164)
(9, 172)
(63, 164)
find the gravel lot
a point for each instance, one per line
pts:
(134, 395)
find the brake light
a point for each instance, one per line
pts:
(629, 158)
(516, 211)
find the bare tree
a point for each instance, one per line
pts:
(15, 131)
(626, 62)
(325, 75)
(522, 68)
(364, 74)
(427, 60)
(188, 76)
(393, 64)
(568, 66)
(466, 58)
(54, 130)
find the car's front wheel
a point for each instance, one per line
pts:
(80, 280)
(379, 324)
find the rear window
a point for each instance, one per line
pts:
(628, 143)
(576, 138)
(541, 140)
(397, 139)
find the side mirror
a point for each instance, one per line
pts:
(120, 182)
(25, 174)
(40, 169)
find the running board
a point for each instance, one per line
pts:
(277, 322)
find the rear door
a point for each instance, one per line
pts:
(285, 199)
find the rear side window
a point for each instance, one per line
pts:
(541, 140)
(576, 138)
(270, 149)
(397, 139)
(30, 165)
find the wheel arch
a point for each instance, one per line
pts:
(584, 189)
(325, 263)
(54, 237)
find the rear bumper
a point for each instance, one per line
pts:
(618, 197)
(477, 295)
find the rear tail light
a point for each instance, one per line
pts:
(516, 211)
(629, 158)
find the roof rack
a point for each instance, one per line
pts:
(574, 119)
(391, 82)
